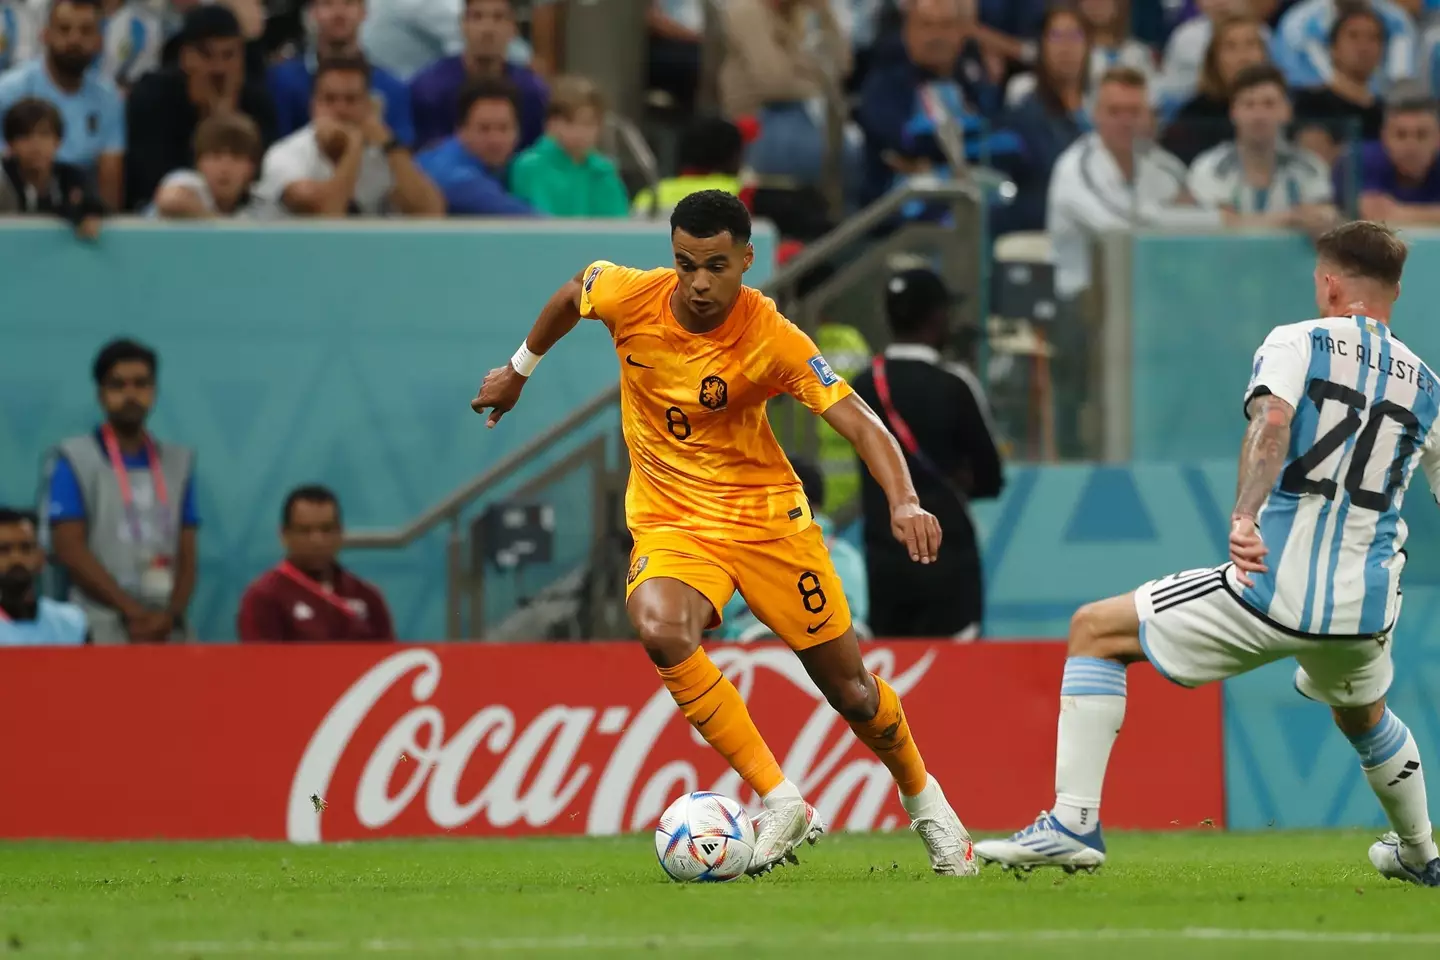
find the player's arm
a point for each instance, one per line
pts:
(913, 526)
(501, 389)
(1262, 457)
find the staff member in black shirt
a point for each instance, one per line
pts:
(937, 412)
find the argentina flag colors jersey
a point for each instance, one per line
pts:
(1365, 411)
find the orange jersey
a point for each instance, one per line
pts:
(703, 459)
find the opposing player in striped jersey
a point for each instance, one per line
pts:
(1340, 412)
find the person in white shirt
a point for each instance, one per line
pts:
(1258, 178)
(1113, 179)
(345, 161)
(227, 154)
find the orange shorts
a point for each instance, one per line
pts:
(790, 584)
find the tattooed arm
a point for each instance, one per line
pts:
(1262, 456)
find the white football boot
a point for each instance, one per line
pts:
(1045, 843)
(1385, 855)
(952, 854)
(779, 830)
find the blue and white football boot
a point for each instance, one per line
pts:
(1045, 843)
(1385, 854)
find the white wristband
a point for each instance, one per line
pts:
(524, 362)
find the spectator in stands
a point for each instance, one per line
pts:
(711, 152)
(942, 69)
(346, 161)
(89, 104)
(1258, 179)
(1346, 108)
(1049, 118)
(769, 72)
(122, 510)
(337, 35)
(1399, 177)
(740, 624)
(19, 33)
(1204, 121)
(1107, 180)
(1306, 41)
(676, 30)
(167, 106)
(564, 174)
(940, 417)
(472, 168)
(42, 185)
(134, 39)
(1186, 50)
(227, 156)
(26, 618)
(309, 596)
(489, 26)
(1111, 44)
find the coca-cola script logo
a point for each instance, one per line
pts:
(555, 760)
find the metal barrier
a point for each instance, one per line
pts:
(464, 582)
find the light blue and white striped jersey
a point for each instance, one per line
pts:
(135, 35)
(1218, 180)
(1303, 43)
(1365, 409)
(19, 33)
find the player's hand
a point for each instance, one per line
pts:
(1247, 550)
(917, 529)
(499, 393)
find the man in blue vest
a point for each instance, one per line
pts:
(122, 510)
(26, 618)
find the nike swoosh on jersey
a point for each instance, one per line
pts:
(630, 359)
(816, 629)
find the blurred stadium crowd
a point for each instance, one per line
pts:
(249, 108)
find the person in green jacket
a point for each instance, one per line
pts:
(563, 174)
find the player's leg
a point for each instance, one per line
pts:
(1353, 679)
(1194, 632)
(792, 587)
(1104, 638)
(673, 597)
(873, 710)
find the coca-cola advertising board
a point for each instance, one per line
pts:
(193, 742)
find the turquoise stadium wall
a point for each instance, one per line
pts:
(347, 356)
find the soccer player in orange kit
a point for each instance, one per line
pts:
(714, 506)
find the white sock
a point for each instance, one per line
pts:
(783, 795)
(924, 803)
(1092, 707)
(1391, 762)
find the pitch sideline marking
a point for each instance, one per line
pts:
(583, 942)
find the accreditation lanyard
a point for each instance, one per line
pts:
(122, 477)
(290, 572)
(904, 434)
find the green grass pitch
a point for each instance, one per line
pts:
(1173, 896)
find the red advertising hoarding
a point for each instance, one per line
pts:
(480, 739)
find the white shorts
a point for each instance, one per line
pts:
(1194, 629)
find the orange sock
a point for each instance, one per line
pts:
(715, 708)
(888, 736)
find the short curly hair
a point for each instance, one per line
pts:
(709, 213)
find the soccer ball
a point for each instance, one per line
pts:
(704, 837)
